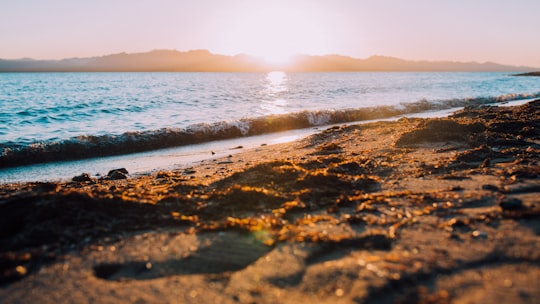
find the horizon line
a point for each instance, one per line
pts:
(263, 60)
(204, 60)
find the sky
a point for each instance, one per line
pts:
(502, 31)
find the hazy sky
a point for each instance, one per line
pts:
(503, 31)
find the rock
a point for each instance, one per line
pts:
(118, 174)
(477, 234)
(122, 170)
(85, 177)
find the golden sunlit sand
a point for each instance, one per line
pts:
(415, 210)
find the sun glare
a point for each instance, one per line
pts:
(272, 40)
(276, 83)
(275, 32)
(277, 58)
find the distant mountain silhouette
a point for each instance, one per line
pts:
(204, 61)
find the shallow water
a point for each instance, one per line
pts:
(174, 158)
(47, 117)
(42, 107)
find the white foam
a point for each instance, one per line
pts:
(318, 118)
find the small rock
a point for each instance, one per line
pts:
(21, 270)
(477, 234)
(121, 170)
(511, 204)
(118, 174)
(85, 177)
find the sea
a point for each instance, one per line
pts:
(54, 126)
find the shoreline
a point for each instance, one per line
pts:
(421, 210)
(144, 163)
(34, 151)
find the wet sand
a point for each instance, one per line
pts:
(415, 210)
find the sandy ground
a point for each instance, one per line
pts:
(412, 211)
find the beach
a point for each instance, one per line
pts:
(440, 210)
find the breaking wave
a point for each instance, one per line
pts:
(90, 146)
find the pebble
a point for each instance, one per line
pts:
(21, 270)
(477, 234)
(189, 171)
(116, 174)
(85, 177)
(122, 170)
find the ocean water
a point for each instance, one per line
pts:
(48, 117)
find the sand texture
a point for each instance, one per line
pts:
(410, 211)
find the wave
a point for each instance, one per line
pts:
(90, 146)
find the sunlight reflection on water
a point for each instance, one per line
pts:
(275, 86)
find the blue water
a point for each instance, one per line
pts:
(38, 107)
(47, 117)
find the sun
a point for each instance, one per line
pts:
(275, 31)
(276, 57)
(271, 39)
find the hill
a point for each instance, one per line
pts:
(205, 61)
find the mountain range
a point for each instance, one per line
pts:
(205, 61)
